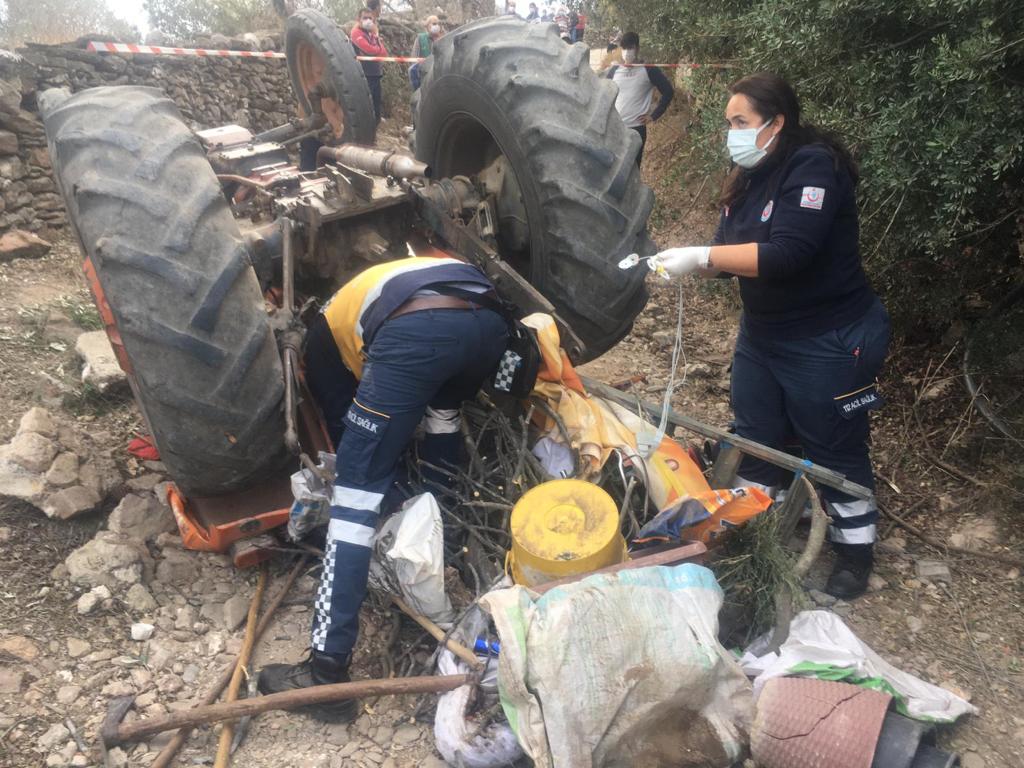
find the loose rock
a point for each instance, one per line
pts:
(64, 471)
(141, 517)
(37, 420)
(19, 244)
(54, 737)
(236, 609)
(100, 368)
(70, 502)
(67, 694)
(11, 680)
(19, 647)
(77, 647)
(109, 559)
(138, 599)
(31, 451)
(141, 631)
(933, 569)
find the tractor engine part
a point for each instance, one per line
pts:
(376, 161)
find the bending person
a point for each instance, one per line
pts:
(813, 335)
(390, 350)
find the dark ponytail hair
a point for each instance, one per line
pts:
(771, 96)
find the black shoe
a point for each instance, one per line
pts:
(850, 573)
(316, 669)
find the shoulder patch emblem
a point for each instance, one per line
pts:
(813, 198)
(767, 212)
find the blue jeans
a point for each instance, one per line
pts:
(422, 363)
(414, 76)
(820, 391)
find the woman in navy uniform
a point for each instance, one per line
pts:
(813, 335)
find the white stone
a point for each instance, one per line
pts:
(20, 483)
(100, 368)
(64, 471)
(70, 502)
(139, 600)
(67, 694)
(142, 631)
(31, 451)
(107, 559)
(54, 737)
(236, 609)
(142, 517)
(37, 420)
(77, 647)
(88, 603)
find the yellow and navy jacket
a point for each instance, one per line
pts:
(356, 312)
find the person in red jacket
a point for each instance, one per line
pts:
(367, 42)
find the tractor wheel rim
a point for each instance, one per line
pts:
(312, 68)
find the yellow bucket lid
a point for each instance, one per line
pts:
(564, 527)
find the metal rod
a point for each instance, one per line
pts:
(114, 734)
(288, 265)
(377, 161)
(780, 459)
(166, 756)
(291, 434)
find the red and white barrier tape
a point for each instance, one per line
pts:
(161, 50)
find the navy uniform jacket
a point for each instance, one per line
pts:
(802, 213)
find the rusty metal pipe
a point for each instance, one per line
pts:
(376, 161)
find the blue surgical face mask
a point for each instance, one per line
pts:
(742, 144)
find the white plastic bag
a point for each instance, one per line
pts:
(621, 669)
(821, 638)
(458, 737)
(312, 505)
(408, 558)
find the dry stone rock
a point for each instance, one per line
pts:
(101, 474)
(11, 679)
(37, 420)
(54, 737)
(139, 600)
(141, 517)
(176, 567)
(142, 631)
(19, 647)
(20, 483)
(69, 502)
(77, 647)
(236, 609)
(100, 368)
(64, 471)
(107, 559)
(66, 694)
(31, 451)
(8, 143)
(19, 244)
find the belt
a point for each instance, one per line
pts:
(432, 302)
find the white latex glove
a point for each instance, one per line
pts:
(681, 261)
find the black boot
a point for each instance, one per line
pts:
(850, 573)
(316, 669)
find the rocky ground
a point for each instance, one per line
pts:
(99, 599)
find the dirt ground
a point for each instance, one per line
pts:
(937, 463)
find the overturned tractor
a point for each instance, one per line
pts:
(208, 252)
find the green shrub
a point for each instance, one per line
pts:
(929, 94)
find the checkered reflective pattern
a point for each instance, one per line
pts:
(507, 368)
(322, 604)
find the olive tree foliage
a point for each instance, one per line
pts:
(929, 95)
(58, 21)
(186, 18)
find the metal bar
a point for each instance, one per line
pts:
(288, 265)
(723, 471)
(790, 510)
(376, 161)
(691, 550)
(813, 471)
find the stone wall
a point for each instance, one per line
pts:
(209, 92)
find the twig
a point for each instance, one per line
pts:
(166, 756)
(941, 546)
(227, 731)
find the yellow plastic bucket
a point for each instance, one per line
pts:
(563, 528)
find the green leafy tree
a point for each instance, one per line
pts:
(187, 18)
(59, 21)
(928, 93)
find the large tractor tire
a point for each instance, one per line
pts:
(171, 264)
(505, 87)
(319, 53)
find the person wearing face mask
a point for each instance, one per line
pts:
(814, 335)
(534, 15)
(367, 42)
(637, 83)
(423, 46)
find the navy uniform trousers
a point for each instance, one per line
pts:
(819, 390)
(419, 364)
